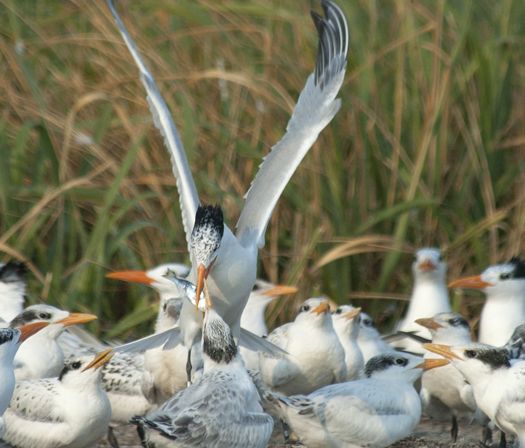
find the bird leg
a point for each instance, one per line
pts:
(112, 439)
(286, 431)
(502, 441)
(486, 436)
(189, 367)
(454, 429)
(142, 436)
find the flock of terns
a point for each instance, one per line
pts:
(210, 377)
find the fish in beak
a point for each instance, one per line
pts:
(474, 282)
(443, 350)
(202, 274)
(131, 276)
(101, 359)
(429, 323)
(76, 318)
(30, 329)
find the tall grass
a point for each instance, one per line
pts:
(427, 149)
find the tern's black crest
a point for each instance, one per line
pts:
(12, 272)
(6, 335)
(367, 321)
(384, 361)
(217, 341)
(27, 316)
(519, 268)
(496, 358)
(208, 230)
(209, 216)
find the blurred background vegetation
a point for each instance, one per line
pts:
(427, 149)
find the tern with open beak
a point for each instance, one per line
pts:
(373, 412)
(504, 309)
(229, 261)
(69, 411)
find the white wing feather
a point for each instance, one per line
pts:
(189, 199)
(314, 110)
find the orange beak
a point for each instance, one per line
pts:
(351, 314)
(280, 290)
(443, 350)
(321, 308)
(209, 303)
(432, 364)
(202, 274)
(427, 266)
(470, 283)
(131, 276)
(30, 330)
(77, 318)
(101, 359)
(429, 323)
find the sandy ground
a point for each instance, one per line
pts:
(428, 434)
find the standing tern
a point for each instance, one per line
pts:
(373, 412)
(498, 383)
(69, 411)
(41, 356)
(315, 356)
(429, 296)
(229, 262)
(10, 340)
(12, 289)
(219, 410)
(504, 309)
(346, 324)
(444, 392)
(369, 339)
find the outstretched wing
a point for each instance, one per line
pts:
(168, 339)
(189, 200)
(314, 110)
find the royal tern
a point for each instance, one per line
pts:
(315, 356)
(504, 309)
(10, 340)
(41, 356)
(253, 315)
(211, 243)
(498, 385)
(373, 412)
(444, 392)
(346, 324)
(12, 289)
(219, 410)
(369, 340)
(69, 411)
(429, 296)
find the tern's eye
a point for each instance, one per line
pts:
(415, 259)
(76, 365)
(440, 259)
(338, 311)
(401, 361)
(504, 276)
(44, 316)
(164, 306)
(305, 308)
(470, 354)
(453, 321)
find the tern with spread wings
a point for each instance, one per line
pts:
(228, 261)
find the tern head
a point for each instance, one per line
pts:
(83, 371)
(447, 328)
(346, 321)
(217, 339)
(367, 327)
(428, 265)
(505, 280)
(315, 312)
(12, 289)
(475, 361)
(400, 366)
(59, 319)
(205, 241)
(264, 292)
(156, 277)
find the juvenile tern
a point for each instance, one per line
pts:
(229, 262)
(69, 411)
(315, 356)
(346, 324)
(504, 309)
(429, 296)
(498, 383)
(10, 340)
(369, 340)
(41, 356)
(219, 410)
(444, 392)
(12, 289)
(373, 412)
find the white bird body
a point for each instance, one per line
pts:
(369, 340)
(12, 290)
(70, 411)
(315, 357)
(429, 296)
(8, 347)
(232, 277)
(346, 324)
(373, 412)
